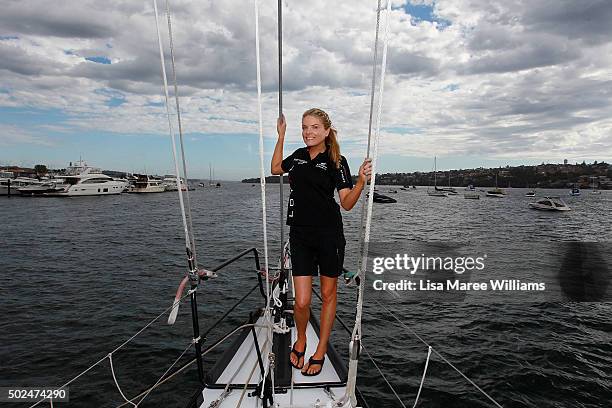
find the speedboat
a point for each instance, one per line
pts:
(83, 180)
(39, 189)
(575, 191)
(530, 194)
(496, 192)
(147, 184)
(7, 180)
(550, 204)
(436, 193)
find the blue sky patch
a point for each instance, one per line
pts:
(8, 37)
(114, 102)
(99, 60)
(422, 12)
(451, 87)
(403, 130)
(31, 116)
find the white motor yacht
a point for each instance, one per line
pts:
(147, 184)
(169, 183)
(83, 180)
(550, 204)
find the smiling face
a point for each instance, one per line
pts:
(313, 131)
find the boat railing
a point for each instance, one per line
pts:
(168, 374)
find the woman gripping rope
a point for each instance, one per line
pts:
(316, 234)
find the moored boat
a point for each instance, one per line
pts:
(551, 203)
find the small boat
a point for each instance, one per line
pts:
(383, 199)
(169, 183)
(575, 191)
(496, 192)
(593, 189)
(41, 188)
(470, 188)
(471, 196)
(530, 193)
(550, 204)
(436, 192)
(147, 184)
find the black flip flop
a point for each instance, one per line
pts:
(299, 355)
(312, 361)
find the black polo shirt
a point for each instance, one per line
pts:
(312, 182)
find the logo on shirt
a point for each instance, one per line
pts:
(299, 161)
(322, 166)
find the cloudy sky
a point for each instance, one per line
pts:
(474, 82)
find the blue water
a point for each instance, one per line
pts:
(81, 275)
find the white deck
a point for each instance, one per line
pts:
(245, 362)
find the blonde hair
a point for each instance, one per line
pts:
(331, 141)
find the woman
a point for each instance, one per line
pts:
(316, 235)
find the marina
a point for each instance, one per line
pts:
(122, 296)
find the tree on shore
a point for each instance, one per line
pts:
(40, 170)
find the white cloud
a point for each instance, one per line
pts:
(504, 79)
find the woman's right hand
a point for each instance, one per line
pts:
(281, 126)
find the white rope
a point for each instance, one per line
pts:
(384, 377)
(356, 336)
(116, 349)
(171, 131)
(416, 400)
(110, 359)
(439, 355)
(168, 370)
(180, 129)
(183, 368)
(262, 183)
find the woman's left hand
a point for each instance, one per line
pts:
(365, 171)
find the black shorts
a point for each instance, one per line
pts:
(317, 250)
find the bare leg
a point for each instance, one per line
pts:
(328, 314)
(301, 313)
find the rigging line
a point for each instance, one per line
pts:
(356, 336)
(368, 223)
(343, 324)
(262, 182)
(384, 377)
(180, 129)
(116, 348)
(166, 372)
(192, 271)
(416, 399)
(371, 113)
(438, 354)
(205, 352)
(110, 359)
(246, 383)
(280, 113)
